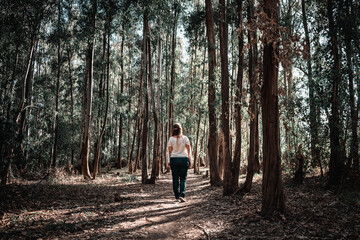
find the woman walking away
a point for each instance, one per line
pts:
(180, 160)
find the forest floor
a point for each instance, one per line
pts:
(72, 208)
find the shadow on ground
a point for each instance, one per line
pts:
(87, 210)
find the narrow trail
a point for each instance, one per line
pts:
(71, 208)
(75, 209)
(156, 215)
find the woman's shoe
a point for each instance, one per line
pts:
(182, 199)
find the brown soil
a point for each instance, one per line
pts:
(72, 208)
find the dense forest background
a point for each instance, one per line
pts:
(87, 86)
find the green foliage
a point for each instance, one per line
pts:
(22, 22)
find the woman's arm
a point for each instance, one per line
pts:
(170, 151)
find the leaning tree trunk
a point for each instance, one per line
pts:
(212, 143)
(84, 155)
(335, 164)
(26, 92)
(253, 158)
(272, 187)
(312, 116)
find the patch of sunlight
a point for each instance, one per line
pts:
(257, 177)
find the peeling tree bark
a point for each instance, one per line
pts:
(335, 164)
(272, 187)
(253, 158)
(354, 145)
(212, 142)
(145, 127)
(84, 155)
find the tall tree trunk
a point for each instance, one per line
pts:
(202, 161)
(129, 115)
(154, 93)
(312, 117)
(121, 101)
(220, 153)
(139, 134)
(71, 101)
(229, 188)
(272, 187)
(172, 74)
(253, 158)
(158, 104)
(84, 155)
(9, 152)
(140, 112)
(354, 147)
(212, 142)
(12, 83)
(26, 92)
(238, 100)
(131, 165)
(145, 128)
(130, 147)
(99, 140)
(335, 164)
(166, 126)
(56, 136)
(196, 160)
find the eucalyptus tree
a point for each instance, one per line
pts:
(272, 188)
(350, 32)
(21, 24)
(88, 91)
(212, 141)
(110, 8)
(235, 171)
(253, 157)
(59, 50)
(311, 84)
(195, 32)
(335, 164)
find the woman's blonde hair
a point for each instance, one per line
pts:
(177, 129)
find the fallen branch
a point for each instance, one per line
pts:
(206, 234)
(149, 220)
(46, 177)
(301, 224)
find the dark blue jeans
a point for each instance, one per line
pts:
(179, 167)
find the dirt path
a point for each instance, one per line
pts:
(76, 209)
(73, 209)
(157, 216)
